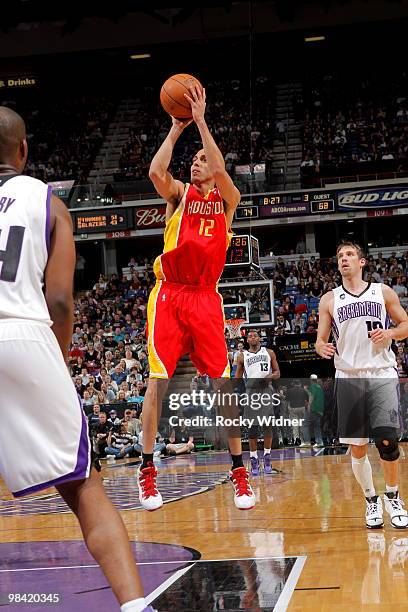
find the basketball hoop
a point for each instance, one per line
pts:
(234, 327)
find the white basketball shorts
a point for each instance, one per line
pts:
(44, 432)
(385, 394)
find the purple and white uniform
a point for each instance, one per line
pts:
(44, 436)
(357, 357)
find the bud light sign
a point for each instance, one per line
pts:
(358, 199)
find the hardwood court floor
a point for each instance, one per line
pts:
(313, 512)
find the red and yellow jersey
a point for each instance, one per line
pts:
(196, 239)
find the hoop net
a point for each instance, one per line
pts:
(234, 327)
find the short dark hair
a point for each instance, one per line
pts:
(349, 243)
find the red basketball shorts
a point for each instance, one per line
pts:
(186, 319)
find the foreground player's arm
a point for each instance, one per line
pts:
(59, 275)
(397, 315)
(275, 374)
(239, 372)
(215, 160)
(323, 347)
(169, 188)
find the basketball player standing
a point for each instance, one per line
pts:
(38, 401)
(258, 363)
(366, 379)
(185, 310)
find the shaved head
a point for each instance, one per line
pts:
(13, 145)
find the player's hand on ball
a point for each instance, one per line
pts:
(379, 335)
(326, 350)
(181, 124)
(197, 101)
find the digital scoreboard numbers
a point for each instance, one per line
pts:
(247, 212)
(300, 203)
(243, 251)
(238, 253)
(322, 206)
(107, 221)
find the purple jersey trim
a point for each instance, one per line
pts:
(48, 219)
(81, 468)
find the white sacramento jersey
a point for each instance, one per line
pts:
(24, 246)
(354, 316)
(257, 365)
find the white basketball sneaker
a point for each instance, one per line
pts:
(149, 495)
(395, 508)
(374, 512)
(244, 497)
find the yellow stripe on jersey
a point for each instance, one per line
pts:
(156, 366)
(171, 234)
(230, 234)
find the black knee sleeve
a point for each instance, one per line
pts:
(390, 450)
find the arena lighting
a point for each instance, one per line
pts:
(140, 56)
(314, 38)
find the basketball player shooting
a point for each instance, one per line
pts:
(260, 366)
(358, 313)
(185, 311)
(38, 401)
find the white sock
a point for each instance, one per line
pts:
(253, 454)
(364, 475)
(267, 451)
(391, 489)
(136, 605)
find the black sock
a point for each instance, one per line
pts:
(237, 461)
(147, 458)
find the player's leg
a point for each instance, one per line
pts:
(351, 401)
(267, 459)
(164, 348)
(388, 449)
(149, 495)
(253, 449)
(362, 471)
(107, 540)
(384, 418)
(205, 316)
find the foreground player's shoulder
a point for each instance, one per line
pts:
(31, 183)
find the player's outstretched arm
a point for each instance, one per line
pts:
(170, 189)
(323, 347)
(215, 160)
(397, 315)
(59, 275)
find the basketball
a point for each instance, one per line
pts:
(172, 95)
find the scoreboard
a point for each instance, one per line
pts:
(243, 251)
(269, 206)
(101, 221)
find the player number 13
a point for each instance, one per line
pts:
(205, 226)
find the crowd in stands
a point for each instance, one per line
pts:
(64, 137)
(361, 125)
(241, 121)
